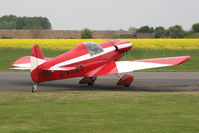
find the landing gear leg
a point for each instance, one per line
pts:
(92, 81)
(126, 85)
(34, 88)
(118, 75)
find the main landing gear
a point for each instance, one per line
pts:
(88, 80)
(35, 86)
(126, 80)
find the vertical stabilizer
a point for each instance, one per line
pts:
(36, 60)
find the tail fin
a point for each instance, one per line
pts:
(36, 52)
(36, 60)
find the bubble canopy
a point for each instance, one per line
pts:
(93, 48)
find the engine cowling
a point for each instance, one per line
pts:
(126, 80)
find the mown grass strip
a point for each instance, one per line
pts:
(99, 112)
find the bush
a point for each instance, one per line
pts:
(176, 31)
(86, 33)
(145, 29)
(195, 27)
(159, 32)
(6, 37)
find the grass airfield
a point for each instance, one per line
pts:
(99, 112)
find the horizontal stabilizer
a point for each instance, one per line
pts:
(24, 63)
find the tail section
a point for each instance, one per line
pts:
(36, 52)
(36, 60)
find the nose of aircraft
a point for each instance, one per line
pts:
(123, 45)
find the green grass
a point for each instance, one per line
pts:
(9, 55)
(193, 35)
(99, 112)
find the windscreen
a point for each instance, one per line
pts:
(93, 48)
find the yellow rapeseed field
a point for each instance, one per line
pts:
(65, 44)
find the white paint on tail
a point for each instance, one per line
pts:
(35, 62)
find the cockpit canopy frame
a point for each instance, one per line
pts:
(93, 48)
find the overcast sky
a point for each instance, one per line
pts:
(106, 14)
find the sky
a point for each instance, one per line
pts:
(106, 14)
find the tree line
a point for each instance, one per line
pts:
(175, 31)
(160, 32)
(39, 23)
(23, 23)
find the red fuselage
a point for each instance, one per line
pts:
(82, 60)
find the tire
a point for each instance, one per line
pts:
(126, 85)
(33, 90)
(91, 83)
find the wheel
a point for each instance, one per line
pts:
(33, 89)
(91, 83)
(126, 85)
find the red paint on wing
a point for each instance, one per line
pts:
(167, 60)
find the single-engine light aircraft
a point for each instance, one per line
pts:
(89, 60)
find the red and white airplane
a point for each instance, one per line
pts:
(89, 60)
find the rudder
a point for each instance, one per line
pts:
(36, 60)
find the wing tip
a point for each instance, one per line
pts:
(183, 59)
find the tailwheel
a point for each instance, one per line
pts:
(34, 88)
